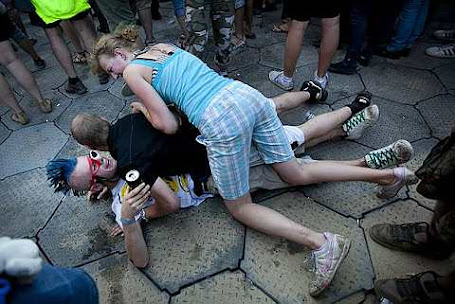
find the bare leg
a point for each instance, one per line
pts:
(27, 46)
(331, 135)
(71, 33)
(239, 14)
(86, 30)
(7, 96)
(9, 59)
(290, 100)
(329, 43)
(270, 222)
(322, 171)
(146, 19)
(293, 46)
(61, 51)
(248, 29)
(325, 123)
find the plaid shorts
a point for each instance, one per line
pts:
(238, 117)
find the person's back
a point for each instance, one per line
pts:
(136, 144)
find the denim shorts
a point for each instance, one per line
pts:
(238, 117)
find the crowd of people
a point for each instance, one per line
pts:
(233, 140)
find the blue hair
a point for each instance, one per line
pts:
(59, 172)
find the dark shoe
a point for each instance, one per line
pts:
(103, 78)
(408, 237)
(103, 29)
(347, 67)
(317, 93)
(420, 288)
(365, 57)
(388, 54)
(77, 87)
(361, 101)
(40, 63)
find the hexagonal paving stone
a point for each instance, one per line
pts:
(90, 81)
(72, 149)
(27, 203)
(447, 75)
(396, 121)
(59, 104)
(390, 263)
(79, 232)
(240, 59)
(340, 86)
(348, 198)
(102, 104)
(418, 59)
(47, 79)
(3, 109)
(193, 244)
(119, 282)
(421, 150)
(225, 288)
(4, 132)
(439, 113)
(273, 56)
(277, 266)
(256, 76)
(401, 84)
(30, 148)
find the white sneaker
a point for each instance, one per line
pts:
(403, 177)
(445, 51)
(278, 79)
(356, 125)
(394, 154)
(327, 260)
(323, 81)
(447, 35)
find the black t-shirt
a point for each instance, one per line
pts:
(136, 144)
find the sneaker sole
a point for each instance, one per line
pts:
(344, 253)
(281, 86)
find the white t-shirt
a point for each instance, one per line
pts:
(181, 185)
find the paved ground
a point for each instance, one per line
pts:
(202, 255)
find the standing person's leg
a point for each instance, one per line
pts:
(249, 34)
(222, 15)
(238, 39)
(10, 61)
(291, 55)
(145, 14)
(63, 55)
(199, 36)
(27, 45)
(104, 26)
(330, 32)
(7, 98)
(81, 55)
(155, 10)
(419, 23)
(117, 12)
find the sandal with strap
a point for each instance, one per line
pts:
(45, 106)
(80, 57)
(20, 117)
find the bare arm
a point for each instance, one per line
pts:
(159, 115)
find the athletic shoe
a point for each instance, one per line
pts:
(317, 93)
(278, 79)
(361, 101)
(420, 288)
(447, 35)
(326, 261)
(403, 177)
(346, 67)
(76, 88)
(356, 125)
(384, 52)
(322, 81)
(446, 51)
(407, 237)
(394, 154)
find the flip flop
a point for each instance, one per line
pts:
(45, 106)
(279, 28)
(20, 118)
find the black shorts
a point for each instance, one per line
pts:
(6, 28)
(303, 10)
(37, 21)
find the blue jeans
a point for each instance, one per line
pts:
(56, 285)
(410, 24)
(179, 7)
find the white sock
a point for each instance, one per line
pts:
(285, 79)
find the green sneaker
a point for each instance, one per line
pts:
(394, 154)
(356, 125)
(326, 261)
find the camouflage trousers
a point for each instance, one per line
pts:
(221, 13)
(443, 223)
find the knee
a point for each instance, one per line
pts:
(7, 58)
(329, 23)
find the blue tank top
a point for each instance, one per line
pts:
(183, 79)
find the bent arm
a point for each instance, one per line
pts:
(165, 199)
(159, 115)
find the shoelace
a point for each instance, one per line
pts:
(354, 121)
(383, 158)
(450, 51)
(405, 232)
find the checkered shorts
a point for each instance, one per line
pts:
(238, 117)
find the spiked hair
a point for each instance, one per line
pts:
(59, 172)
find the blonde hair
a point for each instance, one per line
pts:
(125, 37)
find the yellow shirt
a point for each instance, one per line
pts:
(54, 10)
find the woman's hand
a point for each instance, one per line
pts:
(137, 107)
(135, 200)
